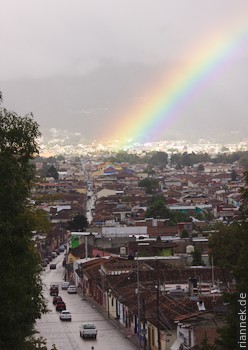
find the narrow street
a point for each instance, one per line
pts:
(65, 335)
(90, 201)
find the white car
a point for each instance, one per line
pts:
(65, 315)
(88, 330)
(72, 289)
(64, 285)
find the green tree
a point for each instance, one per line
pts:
(244, 160)
(188, 159)
(234, 175)
(197, 258)
(78, 223)
(159, 159)
(230, 251)
(125, 157)
(38, 343)
(43, 171)
(227, 339)
(200, 167)
(22, 301)
(176, 160)
(184, 234)
(52, 172)
(244, 195)
(151, 185)
(157, 209)
(176, 216)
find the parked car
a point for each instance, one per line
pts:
(54, 289)
(72, 289)
(60, 306)
(57, 299)
(53, 266)
(88, 330)
(44, 263)
(64, 285)
(65, 315)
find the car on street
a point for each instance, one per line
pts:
(60, 306)
(57, 299)
(64, 285)
(54, 289)
(65, 315)
(53, 266)
(88, 330)
(72, 289)
(44, 263)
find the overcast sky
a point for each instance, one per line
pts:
(78, 65)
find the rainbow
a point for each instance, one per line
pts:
(181, 87)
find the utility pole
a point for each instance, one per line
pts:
(144, 322)
(212, 267)
(86, 247)
(108, 293)
(138, 291)
(158, 316)
(138, 296)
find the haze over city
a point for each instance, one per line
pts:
(132, 70)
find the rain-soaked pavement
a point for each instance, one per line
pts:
(65, 335)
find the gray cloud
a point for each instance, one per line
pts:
(78, 65)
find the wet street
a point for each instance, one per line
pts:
(64, 334)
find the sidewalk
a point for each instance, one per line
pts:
(125, 331)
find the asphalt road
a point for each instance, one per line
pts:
(65, 334)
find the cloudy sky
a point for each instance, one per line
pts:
(85, 68)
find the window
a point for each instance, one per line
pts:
(89, 326)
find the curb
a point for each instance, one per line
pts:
(115, 323)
